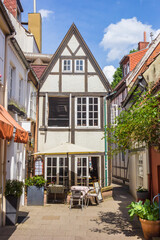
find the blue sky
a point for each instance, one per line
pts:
(110, 27)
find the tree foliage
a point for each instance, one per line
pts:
(133, 50)
(139, 124)
(117, 77)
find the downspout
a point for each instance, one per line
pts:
(5, 103)
(105, 127)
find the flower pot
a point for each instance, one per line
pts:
(150, 228)
(12, 208)
(143, 195)
(35, 196)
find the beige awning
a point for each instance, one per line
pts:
(68, 148)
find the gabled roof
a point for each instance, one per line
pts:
(145, 60)
(74, 31)
(38, 69)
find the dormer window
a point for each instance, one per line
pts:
(67, 65)
(79, 65)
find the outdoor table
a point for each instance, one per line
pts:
(84, 189)
(56, 189)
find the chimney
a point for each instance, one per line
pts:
(35, 27)
(144, 44)
(14, 7)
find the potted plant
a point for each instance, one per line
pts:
(142, 193)
(35, 190)
(13, 191)
(149, 217)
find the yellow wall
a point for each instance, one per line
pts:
(35, 27)
(152, 74)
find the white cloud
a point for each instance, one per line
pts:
(45, 13)
(109, 71)
(123, 36)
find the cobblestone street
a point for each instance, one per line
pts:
(109, 220)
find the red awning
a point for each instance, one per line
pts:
(21, 136)
(6, 129)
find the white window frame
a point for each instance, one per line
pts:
(79, 65)
(114, 114)
(12, 78)
(63, 65)
(21, 85)
(57, 167)
(87, 113)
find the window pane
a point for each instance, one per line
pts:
(78, 115)
(95, 122)
(54, 179)
(48, 171)
(60, 171)
(96, 115)
(77, 68)
(65, 62)
(60, 181)
(48, 161)
(90, 100)
(49, 179)
(84, 172)
(53, 171)
(95, 100)
(61, 162)
(96, 108)
(79, 162)
(90, 122)
(54, 161)
(90, 108)
(79, 123)
(91, 115)
(84, 115)
(84, 108)
(66, 162)
(79, 172)
(79, 108)
(81, 68)
(84, 162)
(78, 100)
(81, 62)
(66, 172)
(84, 122)
(84, 100)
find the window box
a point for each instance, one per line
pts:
(13, 108)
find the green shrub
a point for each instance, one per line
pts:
(14, 187)
(37, 181)
(146, 211)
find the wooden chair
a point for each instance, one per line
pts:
(77, 196)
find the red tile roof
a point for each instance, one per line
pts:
(135, 57)
(39, 69)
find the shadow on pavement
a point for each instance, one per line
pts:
(118, 222)
(7, 231)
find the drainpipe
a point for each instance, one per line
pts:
(107, 97)
(105, 126)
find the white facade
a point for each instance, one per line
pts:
(71, 109)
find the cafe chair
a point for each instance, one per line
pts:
(90, 196)
(77, 196)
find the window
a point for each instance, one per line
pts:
(11, 83)
(39, 166)
(82, 171)
(21, 91)
(57, 170)
(33, 105)
(114, 113)
(87, 112)
(140, 169)
(67, 65)
(79, 65)
(58, 112)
